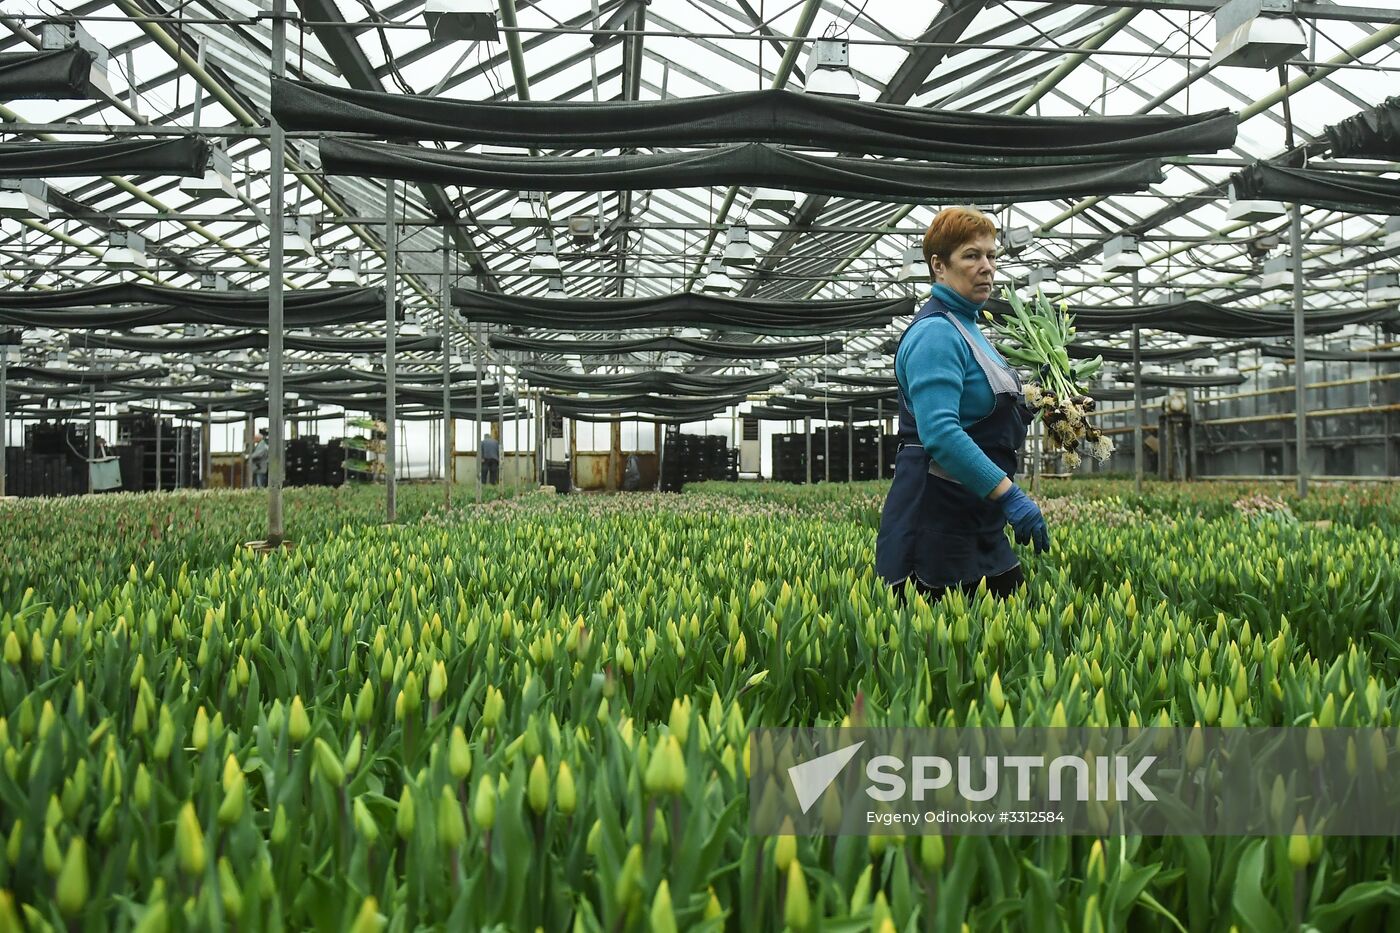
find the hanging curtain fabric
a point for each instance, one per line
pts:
(747, 164)
(1371, 134)
(1338, 191)
(780, 117)
(716, 349)
(660, 382)
(753, 315)
(245, 340)
(185, 156)
(61, 74)
(1206, 319)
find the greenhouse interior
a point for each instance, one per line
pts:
(685, 465)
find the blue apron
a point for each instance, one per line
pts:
(932, 527)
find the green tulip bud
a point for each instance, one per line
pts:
(72, 892)
(403, 822)
(452, 830)
(484, 804)
(537, 790)
(189, 841)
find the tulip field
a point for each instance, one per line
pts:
(533, 713)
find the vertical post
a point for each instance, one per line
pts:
(449, 439)
(1035, 453)
(248, 443)
(879, 438)
(851, 446)
(1300, 414)
(807, 427)
(391, 329)
(500, 417)
(4, 411)
(515, 429)
(1137, 390)
(205, 447)
(276, 210)
(159, 453)
(92, 433)
(476, 441)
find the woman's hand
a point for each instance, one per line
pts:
(1025, 518)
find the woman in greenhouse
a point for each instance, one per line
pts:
(962, 421)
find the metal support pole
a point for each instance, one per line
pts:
(1137, 390)
(500, 417)
(4, 413)
(159, 453)
(391, 328)
(92, 433)
(1300, 391)
(850, 448)
(807, 427)
(880, 438)
(448, 434)
(276, 208)
(477, 422)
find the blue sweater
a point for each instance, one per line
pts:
(948, 392)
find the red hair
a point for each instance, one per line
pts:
(951, 228)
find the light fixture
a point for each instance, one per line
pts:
(829, 70)
(297, 233)
(461, 20)
(913, 265)
(583, 228)
(773, 199)
(544, 261)
(1252, 210)
(1253, 34)
(770, 366)
(1120, 254)
(1016, 239)
(1382, 287)
(410, 326)
(212, 281)
(556, 291)
(24, 197)
(66, 35)
(1392, 233)
(866, 290)
(737, 251)
(1177, 297)
(218, 177)
(691, 333)
(127, 250)
(195, 331)
(1277, 273)
(345, 269)
(717, 280)
(526, 211)
(1046, 279)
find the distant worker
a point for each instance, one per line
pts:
(257, 460)
(490, 460)
(632, 475)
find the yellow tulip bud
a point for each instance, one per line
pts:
(404, 820)
(369, 919)
(364, 821)
(459, 754)
(931, 852)
(437, 681)
(199, 736)
(784, 851)
(72, 891)
(797, 908)
(328, 763)
(452, 829)
(663, 918)
(565, 793)
(298, 725)
(232, 807)
(1299, 852)
(537, 788)
(279, 826)
(189, 841)
(484, 803)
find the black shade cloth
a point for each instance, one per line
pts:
(1340, 356)
(1087, 351)
(46, 75)
(1192, 380)
(186, 156)
(687, 409)
(339, 374)
(1338, 191)
(836, 395)
(1205, 319)
(696, 384)
(249, 340)
(115, 306)
(717, 349)
(1125, 395)
(774, 116)
(748, 164)
(752, 315)
(1372, 134)
(798, 409)
(869, 382)
(85, 377)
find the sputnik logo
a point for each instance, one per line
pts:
(811, 778)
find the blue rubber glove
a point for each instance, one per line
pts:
(1025, 518)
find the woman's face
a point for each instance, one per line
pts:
(969, 269)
